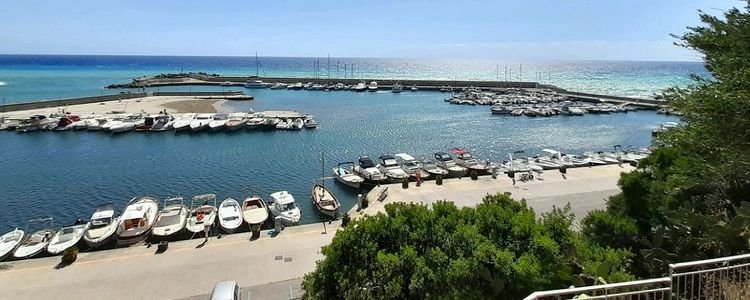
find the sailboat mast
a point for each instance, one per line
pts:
(256, 63)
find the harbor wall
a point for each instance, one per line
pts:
(70, 101)
(200, 94)
(422, 84)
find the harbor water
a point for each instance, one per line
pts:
(65, 174)
(26, 78)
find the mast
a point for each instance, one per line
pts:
(256, 63)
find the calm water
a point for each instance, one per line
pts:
(65, 174)
(26, 78)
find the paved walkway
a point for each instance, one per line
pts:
(184, 270)
(585, 189)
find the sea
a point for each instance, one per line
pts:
(65, 175)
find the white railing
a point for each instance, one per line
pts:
(719, 278)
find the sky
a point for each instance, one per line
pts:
(486, 29)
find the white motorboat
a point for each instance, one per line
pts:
(33, 123)
(607, 158)
(172, 217)
(391, 169)
(9, 242)
(397, 88)
(219, 122)
(414, 88)
(368, 171)
(278, 86)
(325, 201)
(35, 241)
(236, 121)
(310, 123)
(162, 123)
(556, 157)
(373, 87)
(96, 124)
(466, 160)
(254, 211)
(66, 237)
(183, 122)
(432, 168)
(103, 226)
(284, 124)
(411, 166)
(284, 207)
(256, 84)
(230, 215)
(66, 123)
(200, 122)
(137, 220)
(271, 123)
(202, 215)
(445, 161)
(297, 124)
(296, 86)
(360, 87)
(344, 174)
(255, 123)
(126, 125)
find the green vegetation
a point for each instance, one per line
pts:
(497, 250)
(684, 202)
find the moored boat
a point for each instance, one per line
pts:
(9, 242)
(445, 161)
(172, 218)
(254, 211)
(373, 87)
(325, 201)
(368, 171)
(466, 160)
(183, 122)
(218, 122)
(35, 241)
(297, 124)
(137, 220)
(236, 121)
(103, 226)
(67, 237)
(230, 215)
(284, 207)
(344, 173)
(390, 168)
(200, 122)
(202, 215)
(410, 165)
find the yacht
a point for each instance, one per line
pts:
(66, 123)
(34, 242)
(466, 160)
(373, 87)
(297, 124)
(284, 124)
(284, 207)
(445, 161)
(256, 84)
(103, 226)
(360, 87)
(126, 125)
(271, 123)
(97, 124)
(325, 201)
(219, 122)
(278, 86)
(310, 123)
(254, 211)
(34, 123)
(137, 220)
(67, 237)
(183, 122)
(296, 86)
(9, 242)
(230, 215)
(411, 166)
(162, 123)
(344, 173)
(236, 121)
(391, 169)
(368, 171)
(172, 218)
(202, 216)
(200, 122)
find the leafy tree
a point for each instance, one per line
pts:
(498, 250)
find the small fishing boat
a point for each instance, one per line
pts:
(344, 174)
(137, 220)
(183, 122)
(35, 242)
(373, 87)
(172, 218)
(103, 226)
(254, 211)
(236, 121)
(200, 122)
(431, 167)
(397, 88)
(360, 87)
(230, 215)
(391, 169)
(202, 215)
(297, 124)
(9, 242)
(255, 123)
(466, 160)
(284, 207)
(368, 171)
(445, 161)
(310, 123)
(411, 166)
(325, 201)
(67, 237)
(218, 122)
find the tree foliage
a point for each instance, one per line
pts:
(497, 250)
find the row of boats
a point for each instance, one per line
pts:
(459, 163)
(359, 87)
(143, 217)
(125, 122)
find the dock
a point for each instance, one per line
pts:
(586, 189)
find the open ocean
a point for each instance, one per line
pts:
(64, 175)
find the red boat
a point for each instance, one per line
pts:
(65, 122)
(466, 160)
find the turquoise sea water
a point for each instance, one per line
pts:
(26, 78)
(64, 175)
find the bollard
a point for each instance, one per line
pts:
(278, 226)
(359, 202)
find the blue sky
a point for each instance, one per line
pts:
(531, 29)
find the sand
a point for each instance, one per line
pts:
(147, 105)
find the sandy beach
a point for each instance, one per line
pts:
(147, 105)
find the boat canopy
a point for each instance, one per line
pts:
(103, 214)
(442, 156)
(346, 163)
(282, 197)
(461, 153)
(404, 156)
(366, 162)
(133, 214)
(205, 197)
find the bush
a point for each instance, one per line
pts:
(69, 255)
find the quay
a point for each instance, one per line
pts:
(585, 188)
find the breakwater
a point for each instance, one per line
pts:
(65, 102)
